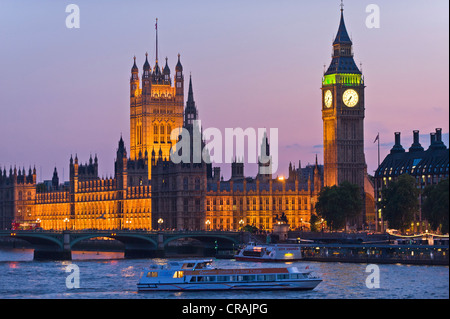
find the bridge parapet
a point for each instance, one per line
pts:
(59, 244)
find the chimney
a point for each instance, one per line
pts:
(416, 137)
(432, 139)
(416, 144)
(436, 140)
(397, 148)
(397, 138)
(438, 135)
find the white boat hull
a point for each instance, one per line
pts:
(276, 285)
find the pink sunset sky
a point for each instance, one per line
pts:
(255, 64)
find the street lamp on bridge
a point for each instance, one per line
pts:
(241, 223)
(160, 222)
(66, 220)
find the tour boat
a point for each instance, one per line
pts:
(276, 252)
(196, 275)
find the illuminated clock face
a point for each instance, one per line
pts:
(350, 98)
(328, 98)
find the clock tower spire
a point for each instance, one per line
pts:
(343, 114)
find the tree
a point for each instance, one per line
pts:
(435, 205)
(400, 202)
(339, 204)
(250, 228)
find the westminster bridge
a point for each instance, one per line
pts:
(58, 245)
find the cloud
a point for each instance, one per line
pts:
(294, 146)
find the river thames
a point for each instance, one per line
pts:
(106, 275)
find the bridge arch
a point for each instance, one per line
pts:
(37, 239)
(123, 238)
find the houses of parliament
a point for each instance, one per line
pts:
(149, 191)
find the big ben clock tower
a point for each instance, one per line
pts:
(343, 115)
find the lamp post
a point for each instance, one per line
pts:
(241, 223)
(66, 220)
(160, 222)
(321, 222)
(208, 223)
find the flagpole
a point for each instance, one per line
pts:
(376, 189)
(378, 149)
(156, 28)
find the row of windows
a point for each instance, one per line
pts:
(161, 134)
(288, 201)
(246, 278)
(21, 197)
(260, 222)
(172, 184)
(263, 204)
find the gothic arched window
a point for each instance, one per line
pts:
(197, 184)
(155, 133)
(161, 132)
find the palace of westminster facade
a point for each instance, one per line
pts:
(148, 191)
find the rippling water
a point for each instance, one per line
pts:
(108, 275)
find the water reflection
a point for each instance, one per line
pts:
(108, 275)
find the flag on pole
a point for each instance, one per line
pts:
(377, 138)
(156, 24)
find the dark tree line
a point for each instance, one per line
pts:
(435, 205)
(400, 204)
(338, 205)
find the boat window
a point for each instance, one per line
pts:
(193, 279)
(270, 277)
(223, 278)
(188, 265)
(152, 274)
(178, 274)
(246, 277)
(283, 276)
(206, 278)
(260, 277)
(297, 276)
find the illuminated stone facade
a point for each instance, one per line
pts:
(17, 195)
(85, 201)
(259, 202)
(156, 108)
